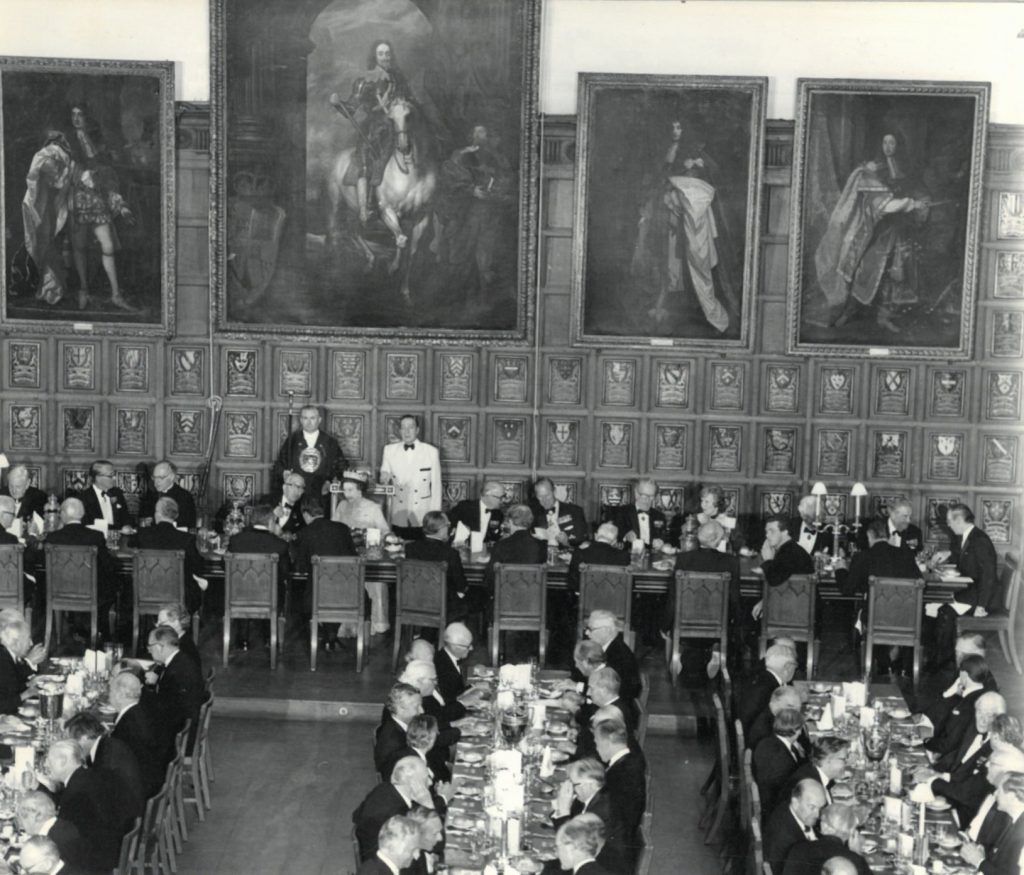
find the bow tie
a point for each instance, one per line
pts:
(105, 494)
(642, 514)
(286, 505)
(410, 446)
(809, 530)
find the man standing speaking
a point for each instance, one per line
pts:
(414, 469)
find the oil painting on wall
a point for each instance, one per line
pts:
(374, 166)
(886, 202)
(88, 195)
(666, 213)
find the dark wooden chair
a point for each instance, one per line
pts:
(72, 585)
(702, 611)
(714, 817)
(789, 610)
(1004, 622)
(520, 604)
(607, 588)
(250, 593)
(339, 596)
(421, 598)
(158, 577)
(12, 579)
(894, 617)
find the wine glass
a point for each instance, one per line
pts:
(876, 743)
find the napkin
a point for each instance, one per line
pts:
(906, 845)
(75, 684)
(855, 693)
(539, 714)
(24, 761)
(372, 537)
(867, 717)
(547, 769)
(476, 542)
(513, 837)
(893, 809)
(99, 526)
(838, 706)
(462, 533)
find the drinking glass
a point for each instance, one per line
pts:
(876, 743)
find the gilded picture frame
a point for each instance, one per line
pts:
(886, 204)
(364, 192)
(87, 170)
(692, 147)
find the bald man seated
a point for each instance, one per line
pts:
(73, 531)
(483, 515)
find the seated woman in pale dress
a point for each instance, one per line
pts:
(712, 507)
(358, 512)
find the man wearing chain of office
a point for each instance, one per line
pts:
(311, 452)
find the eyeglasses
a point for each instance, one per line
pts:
(595, 628)
(459, 644)
(296, 485)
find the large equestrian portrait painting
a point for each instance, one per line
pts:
(666, 214)
(87, 230)
(886, 202)
(374, 166)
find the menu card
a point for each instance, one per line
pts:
(462, 533)
(476, 542)
(825, 721)
(855, 693)
(75, 684)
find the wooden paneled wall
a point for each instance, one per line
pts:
(764, 425)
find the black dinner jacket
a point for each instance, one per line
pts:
(993, 828)
(1005, 860)
(911, 539)
(958, 722)
(773, 765)
(976, 559)
(253, 540)
(433, 550)
(180, 690)
(322, 537)
(624, 661)
(437, 762)
(519, 548)
(64, 834)
(754, 698)
(140, 729)
(627, 788)
(376, 866)
(627, 519)
(118, 504)
(450, 682)
(382, 802)
(77, 534)
(585, 745)
(822, 542)
(13, 682)
(614, 856)
(114, 755)
(33, 501)
(806, 857)
(447, 735)
(467, 512)
(806, 769)
(187, 647)
(7, 538)
(879, 560)
(91, 802)
(164, 536)
(763, 726)
(182, 497)
(781, 834)
(571, 520)
(390, 740)
(593, 553)
(790, 559)
(968, 783)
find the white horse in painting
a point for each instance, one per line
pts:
(403, 196)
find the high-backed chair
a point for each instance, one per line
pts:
(72, 585)
(250, 592)
(338, 596)
(12, 578)
(608, 588)
(520, 604)
(702, 611)
(894, 617)
(421, 598)
(158, 577)
(1004, 622)
(715, 815)
(789, 610)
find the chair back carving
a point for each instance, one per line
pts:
(338, 585)
(71, 576)
(158, 577)
(894, 609)
(250, 584)
(789, 608)
(12, 572)
(420, 593)
(520, 596)
(702, 603)
(607, 588)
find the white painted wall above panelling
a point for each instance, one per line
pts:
(783, 40)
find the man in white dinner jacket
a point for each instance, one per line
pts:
(414, 468)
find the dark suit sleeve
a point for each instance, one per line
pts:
(10, 686)
(854, 581)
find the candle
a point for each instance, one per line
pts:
(920, 821)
